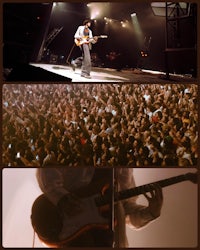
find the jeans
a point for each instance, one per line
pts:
(86, 63)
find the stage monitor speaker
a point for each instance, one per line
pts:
(25, 72)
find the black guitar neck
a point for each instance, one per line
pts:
(125, 194)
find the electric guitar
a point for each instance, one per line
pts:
(86, 39)
(90, 217)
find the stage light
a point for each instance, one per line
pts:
(98, 9)
(94, 15)
(124, 23)
(137, 28)
(105, 18)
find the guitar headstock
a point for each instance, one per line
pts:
(192, 177)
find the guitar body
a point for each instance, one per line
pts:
(74, 229)
(86, 40)
(89, 217)
(82, 41)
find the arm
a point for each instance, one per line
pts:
(94, 39)
(139, 215)
(78, 34)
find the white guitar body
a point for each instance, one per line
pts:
(87, 40)
(89, 217)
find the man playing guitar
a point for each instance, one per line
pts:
(68, 194)
(83, 38)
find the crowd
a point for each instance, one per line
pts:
(100, 125)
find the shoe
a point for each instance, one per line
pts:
(74, 65)
(86, 76)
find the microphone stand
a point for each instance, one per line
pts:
(67, 60)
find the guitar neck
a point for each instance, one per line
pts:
(125, 194)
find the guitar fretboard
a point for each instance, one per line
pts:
(125, 194)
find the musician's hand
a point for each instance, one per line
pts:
(69, 204)
(95, 38)
(155, 200)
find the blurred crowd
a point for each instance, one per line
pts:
(100, 125)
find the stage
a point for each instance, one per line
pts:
(112, 75)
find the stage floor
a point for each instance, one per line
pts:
(112, 75)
